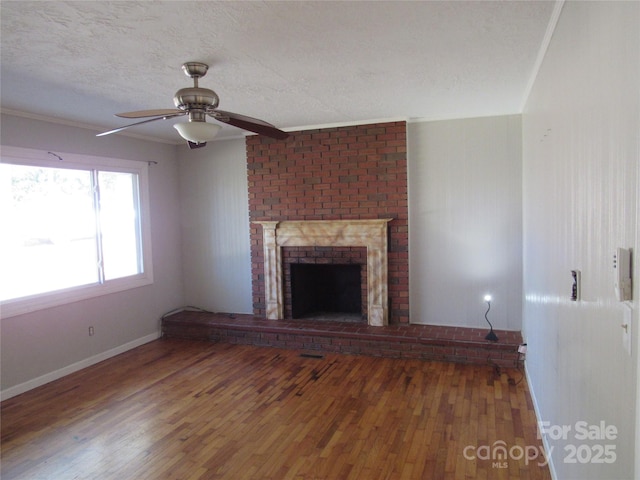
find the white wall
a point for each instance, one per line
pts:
(465, 221)
(215, 227)
(581, 148)
(43, 345)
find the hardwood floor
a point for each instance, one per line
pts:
(178, 409)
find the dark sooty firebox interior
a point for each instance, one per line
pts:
(323, 288)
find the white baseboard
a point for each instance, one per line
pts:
(545, 441)
(74, 367)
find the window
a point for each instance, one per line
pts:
(73, 227)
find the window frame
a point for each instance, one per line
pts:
(39, 158)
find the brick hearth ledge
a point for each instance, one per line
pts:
(327, 233)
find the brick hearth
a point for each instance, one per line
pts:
(424, 342)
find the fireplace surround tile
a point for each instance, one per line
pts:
(371, 234)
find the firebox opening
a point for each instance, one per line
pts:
(319, 289)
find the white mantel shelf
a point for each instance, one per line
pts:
(370, 233)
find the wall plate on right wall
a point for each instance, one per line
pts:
(622, 270)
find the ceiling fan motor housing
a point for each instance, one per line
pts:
(195, 97)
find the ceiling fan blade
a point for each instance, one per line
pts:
(115, 130)
(149, 113)
(248, 123)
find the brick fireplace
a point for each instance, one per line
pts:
(341, 176)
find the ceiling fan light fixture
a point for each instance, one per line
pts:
(197, 132)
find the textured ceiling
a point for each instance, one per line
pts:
(293, 63)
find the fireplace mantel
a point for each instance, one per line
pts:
(327, 233)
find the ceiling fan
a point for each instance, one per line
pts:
(197, 103)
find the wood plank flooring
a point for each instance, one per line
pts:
(187, 410)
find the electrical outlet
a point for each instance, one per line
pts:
(91, 331)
